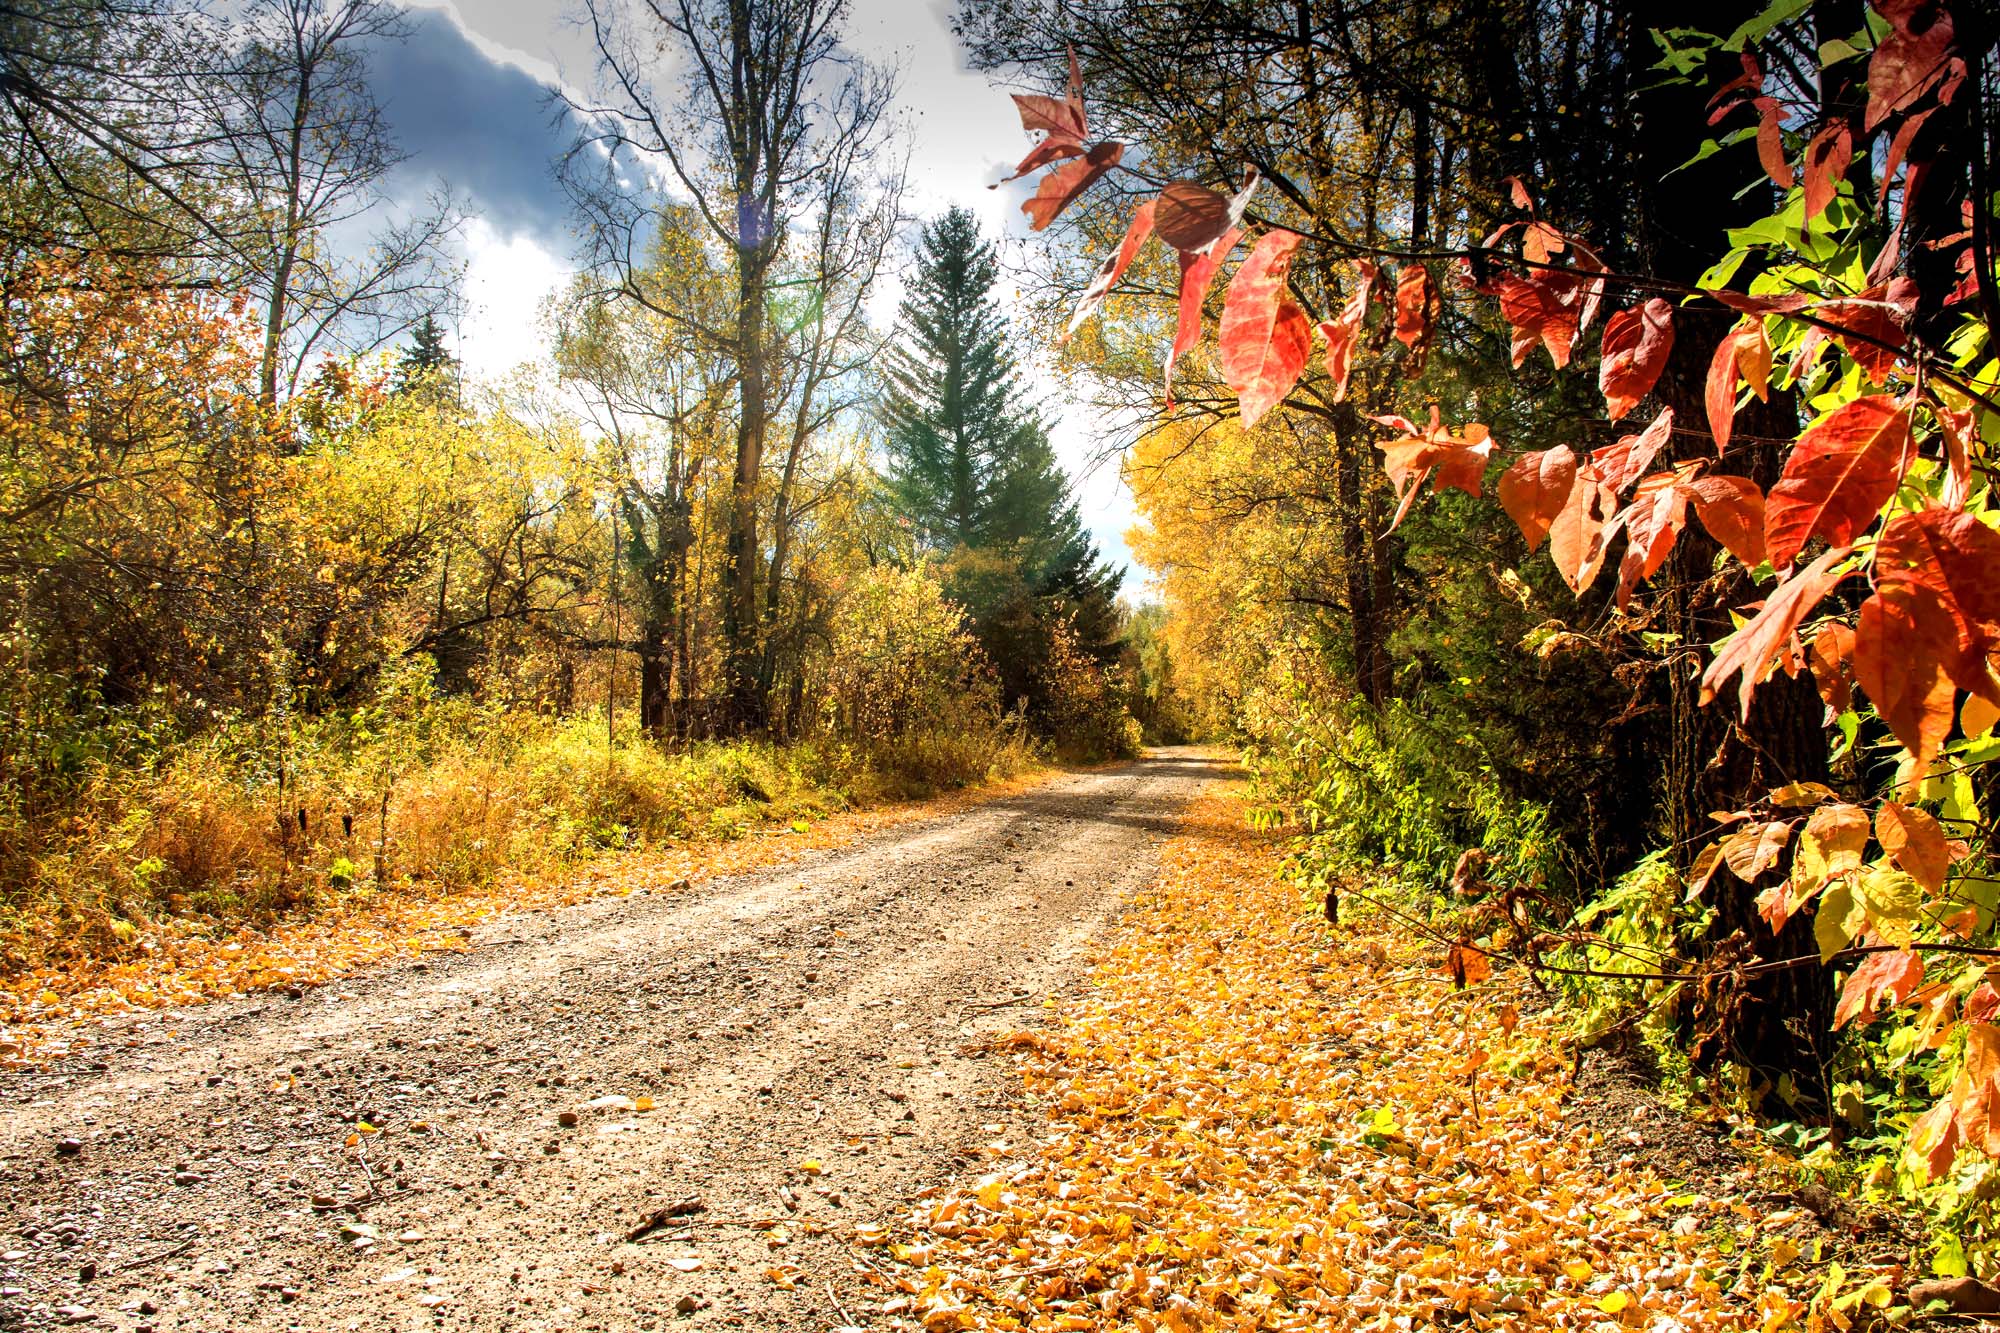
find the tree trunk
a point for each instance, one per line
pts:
(1776, 1022)
(739, 617)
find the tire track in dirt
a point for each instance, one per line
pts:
(832, 1012)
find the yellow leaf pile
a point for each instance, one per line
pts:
(1258, 1121)
(42, 1009)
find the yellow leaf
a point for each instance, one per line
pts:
(1578, 1270)
(1614, 1302)
(810, 1166)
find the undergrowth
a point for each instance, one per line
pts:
(112, 828)
(1382, 804)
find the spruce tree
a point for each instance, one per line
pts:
(971, 468)
(949, 409)
(427, 363)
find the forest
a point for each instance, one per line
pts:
(1559, 434)
(294, 609)
(1734, 799)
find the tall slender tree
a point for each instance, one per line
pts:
(970, 466)
(950, 409)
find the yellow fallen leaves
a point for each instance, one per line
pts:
(1257, 1121)
(41, 1009)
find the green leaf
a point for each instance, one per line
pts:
(1710, 147)
(1757, 29)
(1724, 269)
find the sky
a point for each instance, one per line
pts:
(468, 98)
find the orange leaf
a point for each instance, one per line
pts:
(1265, 337)
(1538, 315)
(1534, 489)
(1832, 663)
(1889, 977)
(1577, 537)
(1621, 464)
(1732, 509)
(1061, 187)
(1915, 842)
(1746, 351)
(1755, 650)
(1466, 965)
(1459, 460)
(1637, 343)
(1842, 471)
(1652, 524)
(1415, 297)
(1341, 332)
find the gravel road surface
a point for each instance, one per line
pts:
(754, 1066)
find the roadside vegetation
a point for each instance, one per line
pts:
(1582, 512)
(298, 615)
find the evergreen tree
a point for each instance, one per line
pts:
(427, 363)
(972, 471)
(950, 409)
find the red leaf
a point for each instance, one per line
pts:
(1832, 660)
(1189, 216)
(1265, 337)
(1869, 321)
(1066, 182)
(1771, 141)
(1577, 537)
(1534, 489)
(1049, 150)
(1114, 266)
(1415, 297)
(1943, 562)
(1459, 460)
(1637, 343)
(1745, 351)
(1619, 465)
(1537, 314)
(1732, 509)
(1842, 471)
(1743, 303)
(1908, 59)
(1915, 842)
(1197, 272)
(1652, 525)
(1907, 685)
(1341, 332)
(1755, 650)
(1827, 159)
(1881, 977)
(1518, 193)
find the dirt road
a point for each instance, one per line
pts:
(810, 1042)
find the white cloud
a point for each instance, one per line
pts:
(507, 279)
